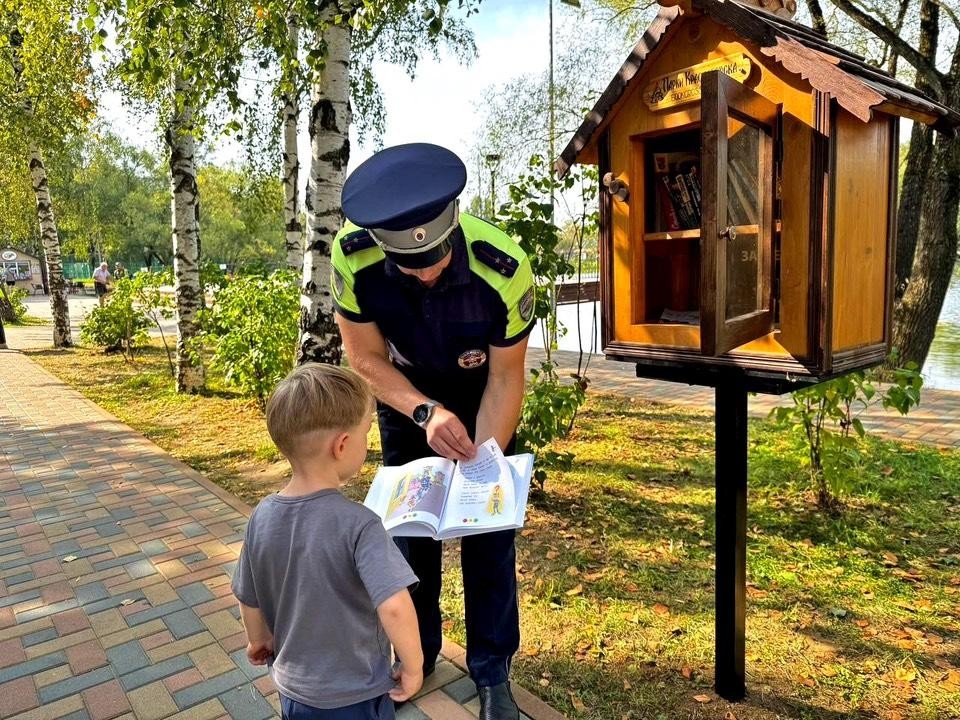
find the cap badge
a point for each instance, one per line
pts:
(472, 359)
(420, 234)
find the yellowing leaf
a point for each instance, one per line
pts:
(552, 554)
(572, 571)
(906, 675)
(890, 560)
(577, 704)
(686, 671)
(703, 698)
(575, 590)
(661, 609)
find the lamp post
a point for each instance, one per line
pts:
(493, 160)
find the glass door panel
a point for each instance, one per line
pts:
(738, 128)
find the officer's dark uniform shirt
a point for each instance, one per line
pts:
(439, 336)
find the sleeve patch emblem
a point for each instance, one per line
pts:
(338, 283)
(526, 304)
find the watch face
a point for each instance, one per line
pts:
(420, 413)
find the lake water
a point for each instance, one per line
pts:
(942, 369)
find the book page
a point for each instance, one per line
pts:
(482, 493)
(411, 493)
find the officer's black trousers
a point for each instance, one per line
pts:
(488, 562)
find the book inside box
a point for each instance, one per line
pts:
(671, 241)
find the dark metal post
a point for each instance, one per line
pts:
(731, 540)
(3, 336)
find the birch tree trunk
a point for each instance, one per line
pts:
(291, 168)
(185, 205)
(330, 118)
(59, 307)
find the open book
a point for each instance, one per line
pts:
(438, 498)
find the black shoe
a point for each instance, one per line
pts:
(497, 703)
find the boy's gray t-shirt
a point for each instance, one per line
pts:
(317, 567)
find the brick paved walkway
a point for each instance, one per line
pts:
(115, 563)
(935, 422)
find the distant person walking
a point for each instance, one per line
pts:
(119, 271)
(10, 276)
(101, 276)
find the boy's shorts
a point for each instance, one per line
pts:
(379, 708)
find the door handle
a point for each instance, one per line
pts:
(729, 232)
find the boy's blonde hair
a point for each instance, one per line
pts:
(316, 397)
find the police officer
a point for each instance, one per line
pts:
(434, 307)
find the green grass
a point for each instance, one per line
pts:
(855, 615)
(30, 321)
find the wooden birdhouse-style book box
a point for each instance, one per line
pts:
(748, 208)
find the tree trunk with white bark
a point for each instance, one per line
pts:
(330, 118)
(291, 168)
(59, 306)
(185, 205)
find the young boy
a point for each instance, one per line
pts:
(319, 580)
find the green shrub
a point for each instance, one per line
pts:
(119, 325)
(550, 404)
(16, 296)
(252, 330)
(827, 416)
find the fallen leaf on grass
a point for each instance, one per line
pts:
(527, 533)
(627, 685)
(728, 715)
(544, 682)
(703, 698)
(806, 680)
(572, 571)
(943, 664)
(593, 577)
(861, 623)
(950, 681)
(575, 590)
(905, 675)
(577, 704)
(661, 609)
(933, 639)
(447, 625)
(552, 554)
(890, 560)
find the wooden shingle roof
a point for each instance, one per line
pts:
(856, 85)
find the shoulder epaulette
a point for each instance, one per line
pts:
(495, 258)
(356, 241)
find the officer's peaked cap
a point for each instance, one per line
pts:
(403, 186)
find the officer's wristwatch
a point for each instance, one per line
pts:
(423, 412)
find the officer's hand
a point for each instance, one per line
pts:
(448, 437)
